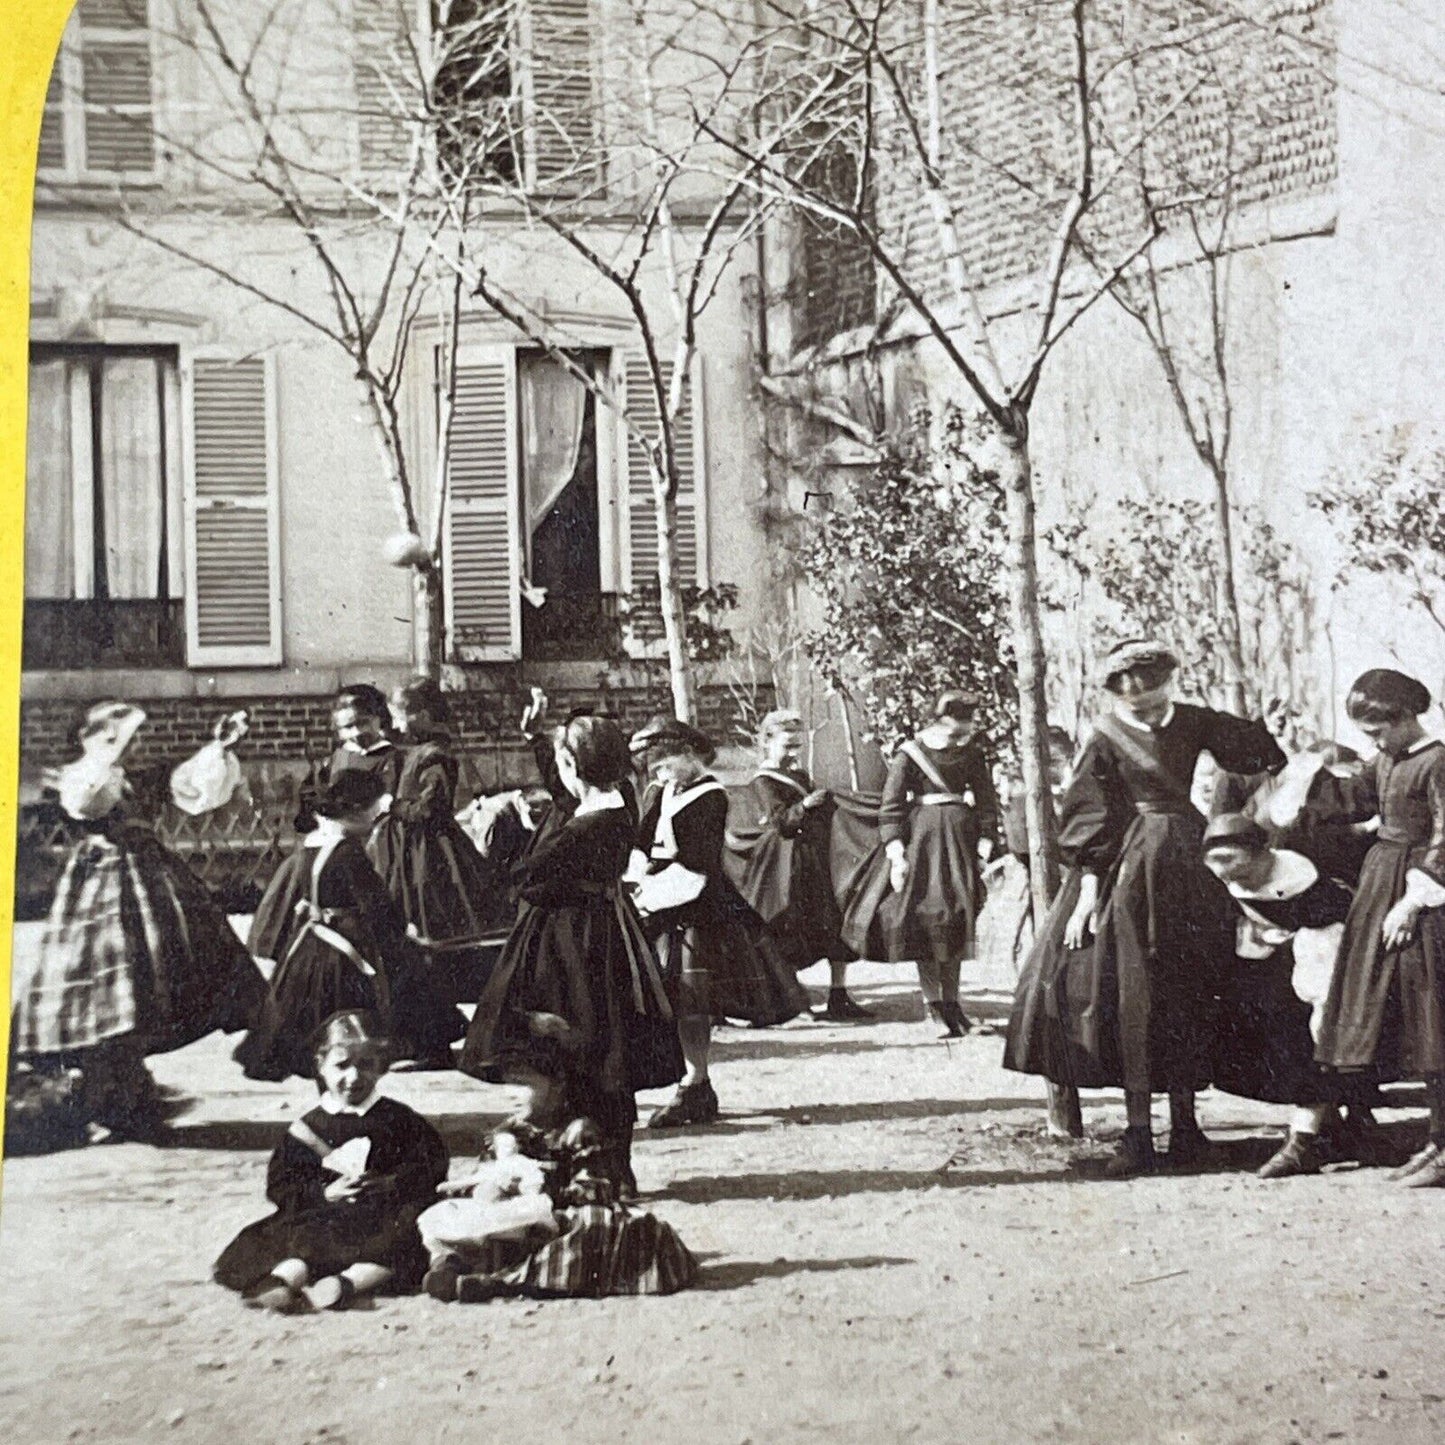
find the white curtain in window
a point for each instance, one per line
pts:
(553, 405)
(49, 516)
(132, 476)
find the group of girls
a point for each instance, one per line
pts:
(1179, 954)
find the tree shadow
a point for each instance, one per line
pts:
(739, 1273)
(807, 1184)
(885, 1110)
(462, 1133)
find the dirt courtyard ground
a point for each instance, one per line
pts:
(891, 1250)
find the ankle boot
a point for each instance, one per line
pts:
(1133, 1155)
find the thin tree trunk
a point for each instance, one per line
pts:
(1227, 601)
(1030, 664)
(428, 620)
(669, 601)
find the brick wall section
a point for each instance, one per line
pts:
(298, 728)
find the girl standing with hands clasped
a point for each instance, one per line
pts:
(937, 819)
(348, 1181)
(1119, 987)
(1384, 1018)
(779, 846)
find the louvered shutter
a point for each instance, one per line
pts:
(117, 87)
(52, 123)
(233, 551)
(563, 130)
(640, 403)
(483, 525)
(384, 76)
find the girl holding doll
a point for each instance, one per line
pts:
(136, 958)
(348, 1180)
(575, 1011)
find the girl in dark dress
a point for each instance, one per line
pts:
(938, 816)
(440, 881)
(136, 958)
(1384, 1018)
(779, 843)
(348, 1182)
(575, 1011)
(362, 723)
(338, 942)
(717, 954)
(1289, 920)
(1119, 987)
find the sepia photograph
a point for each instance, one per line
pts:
(731, 722)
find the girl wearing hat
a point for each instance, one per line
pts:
(1385, 1014)
(337, 941)
(1289, 917)
(939, 814)
(716, 952)
(1118, 989)
(778, 855)
(136, 958)
(575, 1010)
(348, 1180)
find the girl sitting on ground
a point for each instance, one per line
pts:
(348, 1181)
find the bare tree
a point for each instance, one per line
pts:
(275, 138)
(899, 86)
(632, 199)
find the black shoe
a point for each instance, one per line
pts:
(440, 1281)
(840, 1009)
(952, 1018)
(691, 1104)
(1189, 1147)
(1299, 1154)
(1133, 1155)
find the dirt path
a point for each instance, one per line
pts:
(892, 1251)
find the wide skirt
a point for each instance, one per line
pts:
(726, 963)
(313, 982)
(133, 945)
(937, 908)
(594, 967)
(788, 883)
(1136, 1007)
(1385, 1014)
(602, 1250)
(448, 892)
(328, 1239)
(1263, 1046)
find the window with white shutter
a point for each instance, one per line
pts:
(233, 554)
(632, 378)
(483, 518)
(386, 83)
(562, 111)
(99, 119)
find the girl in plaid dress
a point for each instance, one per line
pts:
(136, 958)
